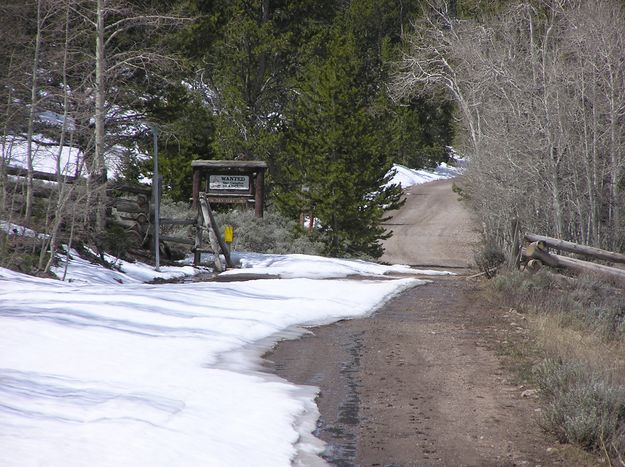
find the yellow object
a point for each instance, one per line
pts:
(228, 233)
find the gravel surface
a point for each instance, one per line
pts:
(433, 229)
(420, 382)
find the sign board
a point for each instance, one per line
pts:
(238, 183)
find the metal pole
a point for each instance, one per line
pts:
(157, 201)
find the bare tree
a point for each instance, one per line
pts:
(541, 93)
(83, 60)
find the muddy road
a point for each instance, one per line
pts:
(420, 382)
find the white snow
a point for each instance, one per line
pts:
(317, 267)
(15, 229)
(45, 156)
(82, 271)
(98, 373)
(407, 177)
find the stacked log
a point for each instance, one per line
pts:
(537, 253)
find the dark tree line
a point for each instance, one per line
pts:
(302, 85)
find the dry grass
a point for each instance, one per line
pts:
(579, 331)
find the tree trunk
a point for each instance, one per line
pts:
(575, 265)
(31, 120)
(98, 169)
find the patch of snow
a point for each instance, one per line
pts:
(82, 271)
(407, 177)
(44, 156)
(14, 229)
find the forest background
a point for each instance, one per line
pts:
(330, 94)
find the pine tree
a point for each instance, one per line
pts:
(337, 155)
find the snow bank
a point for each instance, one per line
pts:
(106, 374)
(408, 177)
(82, 271)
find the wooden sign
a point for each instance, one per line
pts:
(237, 183)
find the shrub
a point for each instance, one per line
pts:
(116, 241)
(272, 233)
(489, 259)
(582, 407)
(177, 210)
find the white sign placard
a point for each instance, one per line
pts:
(229, 182)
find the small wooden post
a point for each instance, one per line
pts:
(196, 187)
(259, 192)
(197, 254)
(514, 260)
(209, 221)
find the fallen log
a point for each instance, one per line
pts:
(534, 265)
(579, 265)
(571, 247)
(537, 250)
(167, 221)
(575, 265)
(184, 241)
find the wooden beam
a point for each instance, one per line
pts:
(21, 172)
(259, 193)
(128, 205)
(579, 265)
(229, 165)
(576, 265)
(197, 175)
(206, 208)
(229, 199)
(533, 251)
(184, 241)
(134, 189)
(571, 247)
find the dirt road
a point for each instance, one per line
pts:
(431, 229)
(420, 382)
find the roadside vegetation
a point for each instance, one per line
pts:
(539, 92)
(579, 360)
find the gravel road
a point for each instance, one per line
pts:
(420, 382)
(433, 229)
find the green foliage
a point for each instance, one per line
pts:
(116, 241)
(248, 67)
(489, 258)
(337, 156)
(186, 130)
(300, 85)
(421, 130)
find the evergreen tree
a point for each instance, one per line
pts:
(337, 155)
(186, 132)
